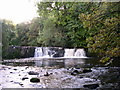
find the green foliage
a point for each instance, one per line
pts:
(103, 25)
(65, 15)
(8, 35)
(51, 34)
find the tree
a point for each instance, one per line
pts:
(103, 23)
(35, 27)
(8, 35)
(50, 35)
(66, 15)
(21, 34)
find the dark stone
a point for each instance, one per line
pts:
(33, 73)
(75, 72)
(24, 78)
(21, 84)
(34, 80)
(14, 69)
(87, 70)
(91, 86)
(46, 74)
(11, 72)
(51, 73)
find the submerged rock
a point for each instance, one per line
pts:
(91, 86)
(34, 80)
(33, 73)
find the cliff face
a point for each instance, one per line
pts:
(18, 52)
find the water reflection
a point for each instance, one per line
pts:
(60, 63)
(54, 62)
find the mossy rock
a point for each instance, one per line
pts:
(34, 80)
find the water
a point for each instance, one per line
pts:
(67, 68)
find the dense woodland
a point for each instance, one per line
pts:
(90, 25)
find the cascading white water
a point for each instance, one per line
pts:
(46, 52)
(80, 53)
(38, 52)
(69, 52)
(72, 53)
(43, 52)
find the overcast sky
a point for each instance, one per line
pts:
(18, 10)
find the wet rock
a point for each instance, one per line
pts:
(75, 72)
(34, 80)
(91, 86)
(15, 69)
(33, 73)
(46, 74)
(87, 70)
(21, 84)
(24, 78)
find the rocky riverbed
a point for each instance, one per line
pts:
(48, 77)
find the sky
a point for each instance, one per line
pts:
(18, 11)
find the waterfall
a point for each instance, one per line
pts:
(43, 52)
(73, 53)
(38, 52)
(50, 52)
(80, 53)
(69, 52)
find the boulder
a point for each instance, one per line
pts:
(34, 80)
